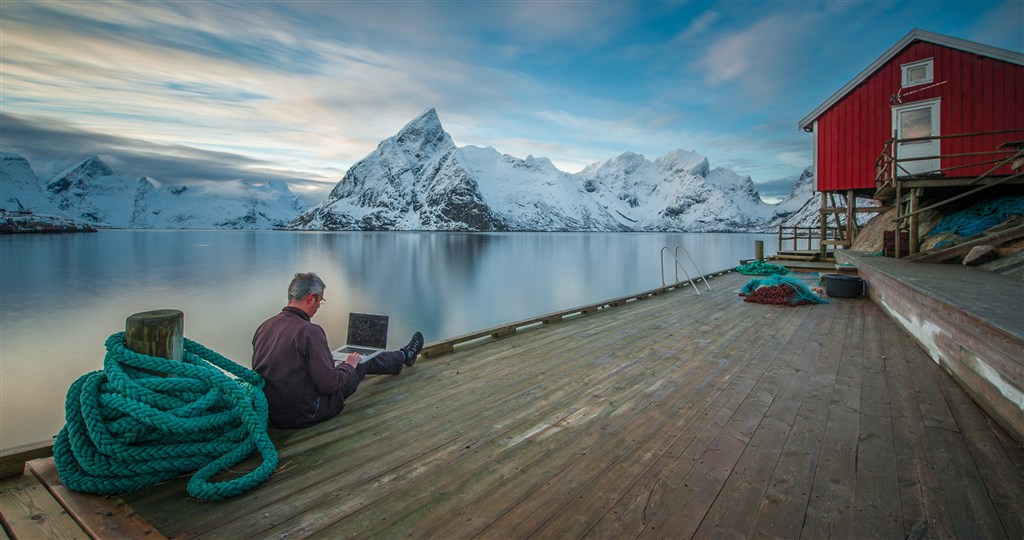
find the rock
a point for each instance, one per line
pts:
(980, 255)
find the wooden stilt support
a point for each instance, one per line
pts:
(823, 247)
(914, 247)
(899, 220)
(851, 221)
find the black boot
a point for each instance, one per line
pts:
(412, 349)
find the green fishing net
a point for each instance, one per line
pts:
(779, 290)
(980, 216)
(761, 268)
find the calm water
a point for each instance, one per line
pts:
(61, 296)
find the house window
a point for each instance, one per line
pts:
(916, 73)
(915, 123)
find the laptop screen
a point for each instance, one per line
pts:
(366, 330)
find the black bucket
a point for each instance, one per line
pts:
(843, 286)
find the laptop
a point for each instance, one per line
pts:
(367, 335)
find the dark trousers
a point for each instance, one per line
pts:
(385, 363)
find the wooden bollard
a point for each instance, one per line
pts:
(159, 333)
(759, 250)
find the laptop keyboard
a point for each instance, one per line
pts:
(360, 350)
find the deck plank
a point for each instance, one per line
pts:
(643, 443)
(734, 512)
(877, 509)
(28, 511)
(922, 502)
(675, 416)
(100, 517)
(780, 513)
(830, 507)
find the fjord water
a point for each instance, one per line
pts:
(61, 296)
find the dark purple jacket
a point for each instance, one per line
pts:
(302, 385)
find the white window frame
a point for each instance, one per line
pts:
(931, 147)
(929, 67)
(931, 104)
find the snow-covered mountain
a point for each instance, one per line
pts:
(19, 187)
(678, 191)
(92, 192)
(802, 207)
(419, 180)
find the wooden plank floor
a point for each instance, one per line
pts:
(678, 416)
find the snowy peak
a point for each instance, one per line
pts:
(414, 180)
(19, 187)
(424, 128)
(89, 169)
(681, 161)
(802, 190)
(419, 139)
(16, 166)
(620, 166)
(423, 138)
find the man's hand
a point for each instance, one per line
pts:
(353, 359)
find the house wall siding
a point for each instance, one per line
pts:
(977, 94)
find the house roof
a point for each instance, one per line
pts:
(914, 35)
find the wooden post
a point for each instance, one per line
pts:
(759, 250)
(157, 333)
(822, 223)
(851, 217)
(914, 203)
(899, 221)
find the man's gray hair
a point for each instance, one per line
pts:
(303, 284)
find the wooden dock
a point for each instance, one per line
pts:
(676, 416)
(970, 321)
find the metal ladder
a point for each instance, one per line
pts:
(678, 265)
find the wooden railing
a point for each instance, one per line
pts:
(890, 166)
(811, 237)
(890, 174)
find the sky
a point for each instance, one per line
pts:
(194, 92)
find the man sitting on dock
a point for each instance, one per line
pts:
(303, 384)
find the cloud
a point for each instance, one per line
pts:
(699, 26)
(41, 140)
(776, 190)
(150, 82)
(758, 59)
(1000, 26)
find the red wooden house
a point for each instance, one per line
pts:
(934, 112)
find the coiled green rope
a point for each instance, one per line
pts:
(127, 429)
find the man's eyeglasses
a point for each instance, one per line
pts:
(321, 299)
